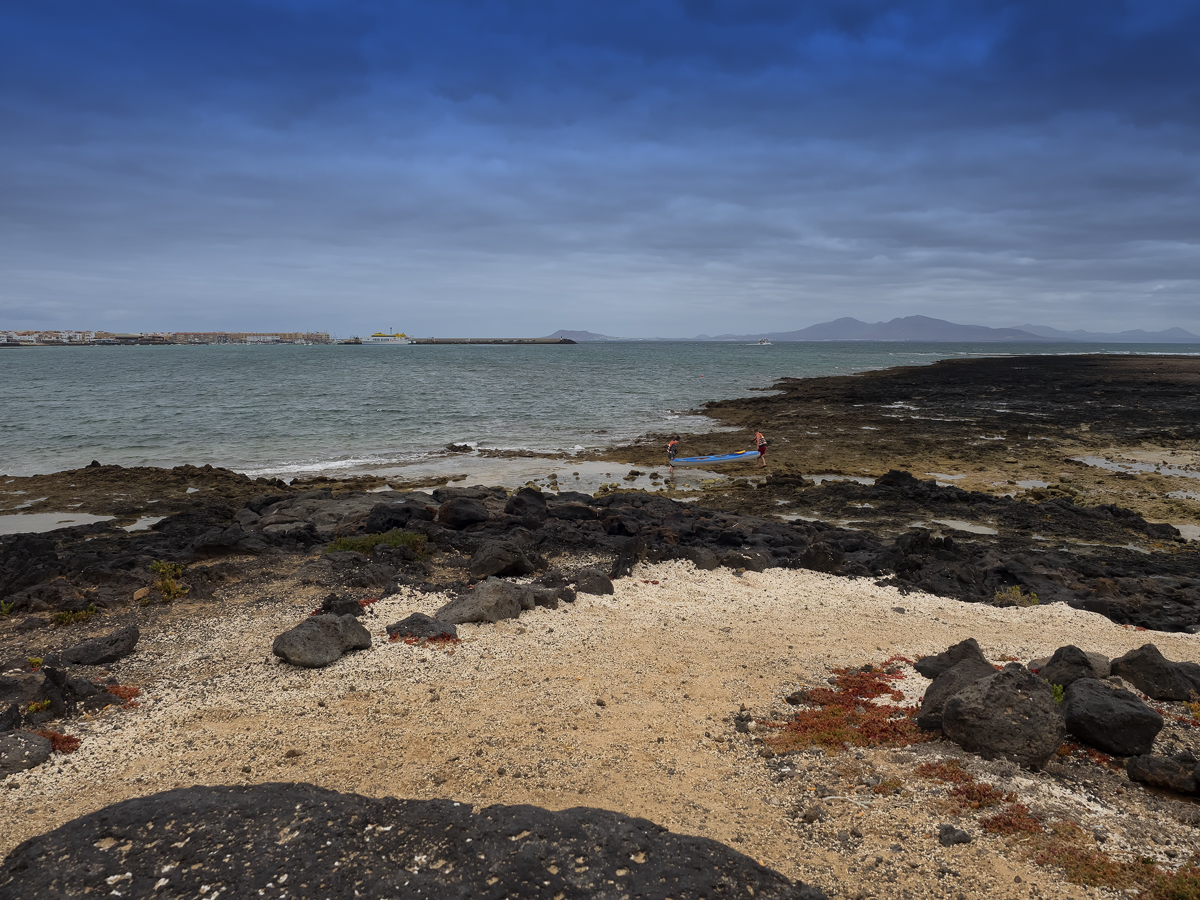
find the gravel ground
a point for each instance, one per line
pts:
(619, 702)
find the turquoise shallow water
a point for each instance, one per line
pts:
(295, 409)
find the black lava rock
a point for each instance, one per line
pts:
(320, 640)
(946, 685)
(1156, 676)
(1010, 715)
(461, 512)
(419, 625)
(103, 650)
(592, 581)
(335, 845)
(1110, 719)
(1068, 665)
(933, 666)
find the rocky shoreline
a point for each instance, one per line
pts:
(459, 563)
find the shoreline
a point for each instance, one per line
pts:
(729, 595)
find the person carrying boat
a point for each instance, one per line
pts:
(761, 443)
(672, 451)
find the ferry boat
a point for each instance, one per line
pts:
(764, 343)
(389, 339)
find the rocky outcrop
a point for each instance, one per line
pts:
(320, 640)
(527, 503)
(103, 650)
(1109, 718)
(489, 601)
(496, 851)
(1009, 715)
(1156, 676)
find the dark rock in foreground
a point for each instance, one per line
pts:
(1173, 774)
(949, 683)
(21, 750)
(1156, 676)
(321, 640)
(419, 625)
(1068, 665)
(102, 650)
(1110, 719)
(933, 666)
(237, 840)
(489, 601)
(1010, 715)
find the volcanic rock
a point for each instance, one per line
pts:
(1068, 665)
(320, 640)
(933, 666)
(489, 601)
(821, 557)
(341, 606)
(500, 558)
(1010, 715)
(946, 685)
(21, 750)
(419, 625)
(527, 503)
(242, 838)
(592, 581)
(1109, 718)
(103, 650)
(1161, 771)
(1156, 676)
(461, 512)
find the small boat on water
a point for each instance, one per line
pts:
(764, 343)
(380, 338)
(705, 461)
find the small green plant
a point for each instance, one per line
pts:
(394, 538)
(37, 707)
(1014, 596)
(166, 584)
(1060, 693)
(35, 662)
(6, 608)
(70, 618)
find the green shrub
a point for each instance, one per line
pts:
(368, 542)
(70, 618)
(6, 608)
(167, 572)
(1014, 596)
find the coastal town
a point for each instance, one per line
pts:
(108, 338)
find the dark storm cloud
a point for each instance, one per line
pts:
(627, 167)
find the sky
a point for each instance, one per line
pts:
(630, 167)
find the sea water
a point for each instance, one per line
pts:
(296, 410)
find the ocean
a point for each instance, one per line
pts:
(302, 410)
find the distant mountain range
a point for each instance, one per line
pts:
(924, 328)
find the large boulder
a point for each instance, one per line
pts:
(21, 750)
(590, 580)
(1156, 676)
(419, 625)
(1181, 776)
(489, 601)
(573, 512)
(103, 650)
(461, 512)
(1068, 665)
(320, 640)
(1109, 718)
(339, 846)
(822, 557)
(500, 558)
(933, 666)
(946, 685)
(1009, 715)
(528, 503)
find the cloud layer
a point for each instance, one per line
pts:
(635, 168)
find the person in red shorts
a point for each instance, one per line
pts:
(761, 442)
